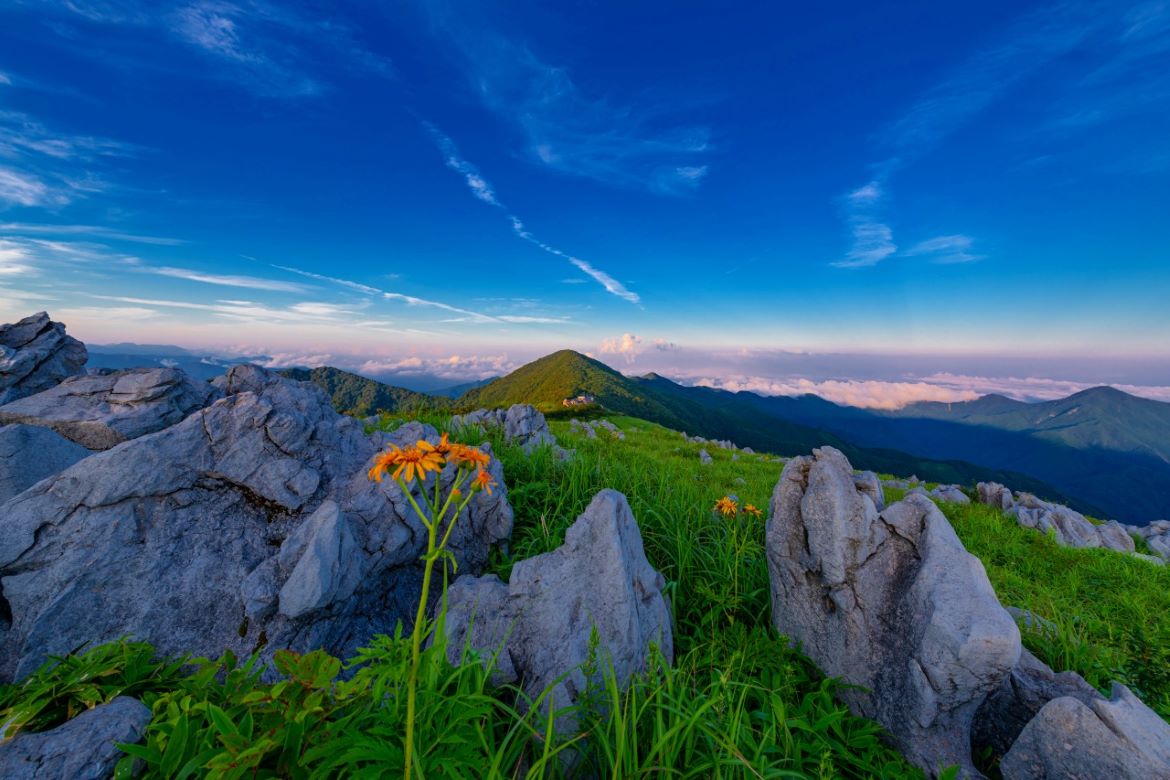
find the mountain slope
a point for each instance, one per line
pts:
(717, 414)
(361, 397)
(1102, 447)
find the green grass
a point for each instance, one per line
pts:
(736, 703)
(1112, 610)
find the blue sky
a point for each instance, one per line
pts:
(469, 185)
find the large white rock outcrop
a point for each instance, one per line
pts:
(250, 525)
(540, 622)
(35, 354)
(523, 424)
(100, 411)
(891, 602)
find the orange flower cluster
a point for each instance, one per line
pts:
(729, 507)
(415, 462)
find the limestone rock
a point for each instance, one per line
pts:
(952, 494)
(995, 494)
(523, 424)
(1072, 529)
(868, 483)
(540, 622)
(29, 453)
(1114, 537)
(891, 602)
(84, 748)
(35, 354)
(705, 457)
(1115, 738)
(250, 525)
(101, 411)
(1030, 686)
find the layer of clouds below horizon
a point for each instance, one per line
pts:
(862, 393)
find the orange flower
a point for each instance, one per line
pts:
(751, 509)
(444, 447)
(382, 462)
(483, 481)
(414, 461)
(470, 456)
(727, 506)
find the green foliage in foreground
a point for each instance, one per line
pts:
(737, 702)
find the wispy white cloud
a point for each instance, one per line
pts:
(475, 181)
(1035, 40)
(93, 231)
(946, 249)
(44, 168)
(873, 240)
(643, 146)
(277, 50)
(466, 315)
(482, 190)
(228, 280)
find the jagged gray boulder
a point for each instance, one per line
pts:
(1117, 738)
(705, 457)
(995, 494)
(523, 424)
(1156, 536)
(952, 494)
(250, 525)
(29, 453)
(868, 483)
(35, 354)
(1072, 529)
(1030, 686)
(891, 602)
(539, 623)
(83, 748)
(101, 411)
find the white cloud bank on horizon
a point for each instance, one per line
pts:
(945, 388)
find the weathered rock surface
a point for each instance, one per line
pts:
(29, 453)
(84, 748)
(540, 622)
(952, 494)
(1157, 536)
(101, 411)
(995, 494)
(868, 483)
(523, 424)
(35, 354)
(250, 525)
(1030, 686)
(1072, 529)
(705, 457)
(891, 602)
(1117, 737)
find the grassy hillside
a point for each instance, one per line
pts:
(717, 414)
(737, 703)
(362, 397)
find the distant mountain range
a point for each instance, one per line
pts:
(1102, 451)
(1102, 446)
